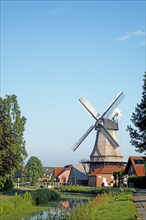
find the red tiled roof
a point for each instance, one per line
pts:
(96, 172)
(107, 170)
(67, 167)
(137, 157)
(57, 171)
(139, 168)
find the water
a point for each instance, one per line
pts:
(43, 215)
(53, 214)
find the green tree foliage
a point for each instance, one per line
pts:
(12, 144)
(33, 170)
(138, 134)
(118, 177)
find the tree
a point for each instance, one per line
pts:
(12, 144)
(33, 170)
(118, 176)
(138, 134)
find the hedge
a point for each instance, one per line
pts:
(137, 181)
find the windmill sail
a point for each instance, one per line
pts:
(89, 107)
(107, 135)
(106, 147)
(113, 105)
(77, 144)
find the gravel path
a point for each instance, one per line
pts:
(140, 202)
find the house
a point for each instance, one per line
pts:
(57, 171)
(78, 174)
(103, 176)
(72, 174)
(62, 174)
(135, 166)
(47, 174)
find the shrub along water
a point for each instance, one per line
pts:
(23, 204)
(43, 196)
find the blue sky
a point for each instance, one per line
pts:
(54, 52)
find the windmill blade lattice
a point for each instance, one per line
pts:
(89, 108)
(77, 144)
(113, 105)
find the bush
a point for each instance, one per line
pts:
(137, 181)
(43, 196)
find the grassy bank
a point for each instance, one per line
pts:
(107, 207)
(104, 204)
(12, 206)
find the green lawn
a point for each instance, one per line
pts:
(67, 195)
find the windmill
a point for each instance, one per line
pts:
(106, 148)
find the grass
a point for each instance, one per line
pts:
(104, 204)
(107, 207)
(12, 206)
(93, 190)
(79, 189)
(69, 195)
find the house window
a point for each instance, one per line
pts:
(138, 161)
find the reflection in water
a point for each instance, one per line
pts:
(43, 215)
(53, 214)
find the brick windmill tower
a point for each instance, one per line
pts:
(106, 150)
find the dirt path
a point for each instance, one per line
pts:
(140, 202)
(21, 191)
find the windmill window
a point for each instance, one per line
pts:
(137, 161)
